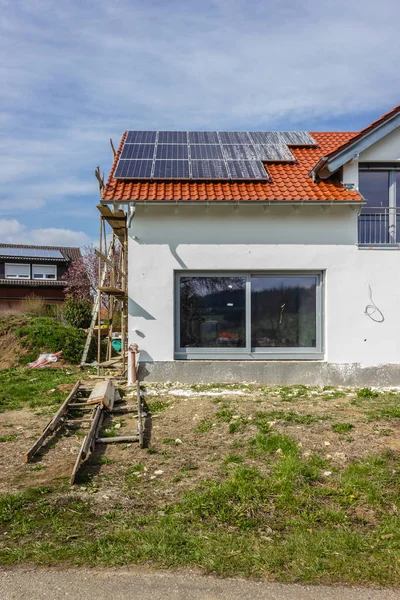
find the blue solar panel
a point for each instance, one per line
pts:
(138, 151)
(206, 151)
(203, 137)
(156, 155)
(209, 169)
(247, 169)
(134, 169)
(274, 153)
(240, 152)
(172, 137)
(267, 137)
(30, 253)
(141, 137)
(172, 151)
(234, 137)
(171, 169)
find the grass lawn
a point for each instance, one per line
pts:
(291, 484)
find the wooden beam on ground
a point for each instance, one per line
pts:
(103, 393)
(140, 415)
(52, 424)
(88, 441)
(121, 438)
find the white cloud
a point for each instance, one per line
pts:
(14, 232)
(81, 72)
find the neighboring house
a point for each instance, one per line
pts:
(33, 271)
(264, 256)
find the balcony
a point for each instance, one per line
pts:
(379, 226)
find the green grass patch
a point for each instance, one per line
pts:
(273, 442)
(204, 426)
(342, 427)
(8, 438)
(287, 523)
(367, 393)
(262, 418)
(157, 406)
(20, 388)
(225, 415)
(49, 335)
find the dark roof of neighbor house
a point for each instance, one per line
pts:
(57, 283)
(68, 254)
(287, 181)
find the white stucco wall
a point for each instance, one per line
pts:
(191, 237)
(386, 150)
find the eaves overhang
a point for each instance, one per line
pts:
(329, 164)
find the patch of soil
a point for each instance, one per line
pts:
(10, 351)
(189, 443)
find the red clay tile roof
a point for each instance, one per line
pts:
(357, 136)
(288, 182)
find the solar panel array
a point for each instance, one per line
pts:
(205, 154)
(30, 253)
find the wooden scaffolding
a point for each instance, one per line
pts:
(110, 310)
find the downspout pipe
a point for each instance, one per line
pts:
(131, 214)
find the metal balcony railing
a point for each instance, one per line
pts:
(379, 226)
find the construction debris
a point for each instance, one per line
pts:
(44, 360)
(87, 405)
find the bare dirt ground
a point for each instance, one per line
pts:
(191, 432)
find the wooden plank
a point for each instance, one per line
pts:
(112, 361)
(113, 291)
(88, 442)
(122, 438)
(140, 415)
(103, 392)
(52, 424)
(107, 260)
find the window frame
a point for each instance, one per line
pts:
(44, 278)
(391, 169)
(7, 265)
(249, 353)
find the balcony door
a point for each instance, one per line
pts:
(379, 223)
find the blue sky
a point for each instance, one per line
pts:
(76, 72)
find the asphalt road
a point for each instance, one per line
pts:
(144, 584)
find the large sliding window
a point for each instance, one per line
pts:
(245, 315)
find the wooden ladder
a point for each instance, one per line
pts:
(96, 400)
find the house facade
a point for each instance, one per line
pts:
(27, 271)
(285, 278)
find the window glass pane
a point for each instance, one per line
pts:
(283, 312)
(374, 186)
(374, 218)
(212, 312)
(17, 271)
(44, 271)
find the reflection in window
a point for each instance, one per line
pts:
(283, 312)
(212, 312)
(374, 221)
(374, 186)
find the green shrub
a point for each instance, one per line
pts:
(367, 393)
(77, 313)
(44, 334)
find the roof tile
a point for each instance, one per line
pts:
(288, 181)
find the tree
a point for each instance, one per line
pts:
(82, 276)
